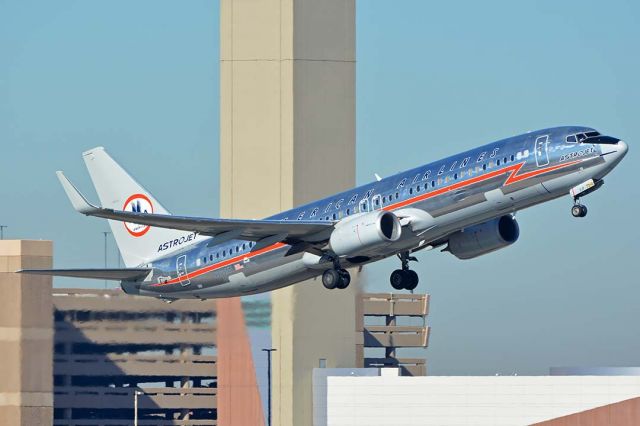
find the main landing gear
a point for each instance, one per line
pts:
(404, 278)
(336, 277)
(578, 210)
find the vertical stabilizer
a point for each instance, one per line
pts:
(138, 244)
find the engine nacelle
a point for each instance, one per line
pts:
(484, 238)
(361, 234)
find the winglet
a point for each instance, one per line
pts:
(78, 200)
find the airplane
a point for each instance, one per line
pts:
(465, 203)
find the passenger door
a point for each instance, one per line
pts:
(181, 269)
(542, 150)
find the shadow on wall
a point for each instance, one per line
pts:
(98, 367)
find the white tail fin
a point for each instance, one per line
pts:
(138, 244)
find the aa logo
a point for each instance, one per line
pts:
(137, 203)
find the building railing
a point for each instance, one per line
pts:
(152, 398)
(140, 332)
(139, 365)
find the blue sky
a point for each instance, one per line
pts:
(433, 78)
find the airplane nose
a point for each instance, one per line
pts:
(622, 148)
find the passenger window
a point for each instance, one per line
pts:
(418, 188)
(211, 257)
(484, 166)
(218, 255)
(504, 160)
(384, 199)
(348, 212)
(397, 195)
(572, 139)
(455, 176)
(243, 246)
(334, 216)
(224, 253)
(433, 183)
(512, 157)
(410, 190)
(498, 162)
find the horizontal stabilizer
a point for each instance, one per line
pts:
(116, 274)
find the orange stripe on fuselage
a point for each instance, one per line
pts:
(222, 264)
(512, 178)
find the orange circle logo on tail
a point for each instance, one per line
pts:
(137, 203)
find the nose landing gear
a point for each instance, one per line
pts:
(404, 278)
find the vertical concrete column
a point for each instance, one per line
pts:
(26, 335)
(288, 137)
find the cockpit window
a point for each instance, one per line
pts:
(592, 134)
(581, 137)
(572, 139)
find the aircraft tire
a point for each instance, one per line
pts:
(330, 279)
(397, 279)
(576, 210)
(345, 279)
(411, 280)
(583, 211)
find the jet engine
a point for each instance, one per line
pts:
(484, 238)
(364, 233)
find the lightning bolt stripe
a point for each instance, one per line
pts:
(513, 177)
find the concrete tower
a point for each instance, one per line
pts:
(26, 335)
(288, 137)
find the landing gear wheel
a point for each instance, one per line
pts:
(397, 279)
(579, 210)
(404, 279)
(345, 279)
(412, 279)
(576, 210)
(330, 279)
(583, 211)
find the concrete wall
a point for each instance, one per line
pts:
(26, 335)
(491, 400)
(288, 137)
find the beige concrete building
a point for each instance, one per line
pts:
(108, 345)
(26, 335)
(382, 330)
(288, 137)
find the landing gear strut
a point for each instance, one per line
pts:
(404, 278)
(578, 210)
(336, 277)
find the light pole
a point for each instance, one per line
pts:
(268, 351)
(105, 254)
(135, 406)
(2, 231)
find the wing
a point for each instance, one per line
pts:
(126, 274)
(225, 229)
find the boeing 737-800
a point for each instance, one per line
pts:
(464, 203)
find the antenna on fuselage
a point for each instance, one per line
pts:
(378, 178)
